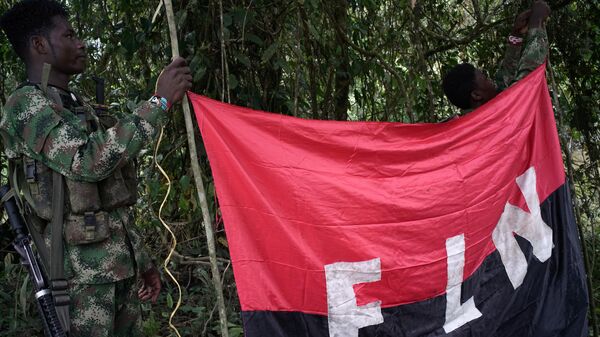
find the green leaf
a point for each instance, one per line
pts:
(150, 326)
(8, 259)
(169, 301)
(243, 59)
(222, 240)
(184, 182)
(235, 331)
(313, 31)
(198, 74)
(131, 105)
(254, 39)
(203, 275)
(233, 82)
(183, 204)
(181, 17)
(23, 292)
(268, 54)
(587, 55)
(227, 20)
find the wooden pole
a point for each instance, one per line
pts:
(210, 239)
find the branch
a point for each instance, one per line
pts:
(382, 63)
(210, 238)
(467, 39)
(203, 260)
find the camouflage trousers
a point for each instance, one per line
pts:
(105, 310)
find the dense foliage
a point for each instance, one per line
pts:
(375, 60)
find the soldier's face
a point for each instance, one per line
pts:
(484, 90)
(67, 51)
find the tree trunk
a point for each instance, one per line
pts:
(342, 73)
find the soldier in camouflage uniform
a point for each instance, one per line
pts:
(468, 88)
(51, 129)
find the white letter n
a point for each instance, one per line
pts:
(345, 317)
(530, 226)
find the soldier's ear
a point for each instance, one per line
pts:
(39, 45)
(476, 95)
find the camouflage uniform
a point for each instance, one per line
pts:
(520, 60)
(100, 265)
(111, 305)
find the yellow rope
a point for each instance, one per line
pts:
(174, 245)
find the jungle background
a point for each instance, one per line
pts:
(377, 60)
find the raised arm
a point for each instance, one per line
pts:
(35, 126)
(535, 50)
(527, 46)
(508, 67)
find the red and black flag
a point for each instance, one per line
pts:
(349, 229)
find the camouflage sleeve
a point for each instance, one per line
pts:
(143, 261)
(52, 135)
(508, 66)
(534, 52)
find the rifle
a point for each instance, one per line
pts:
(100, 107)
(23, 244)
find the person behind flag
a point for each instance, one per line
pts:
(527, 48)
(48, 128)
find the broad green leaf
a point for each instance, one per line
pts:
(269, 52)
(169, 300)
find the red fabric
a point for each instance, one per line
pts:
(298, 194)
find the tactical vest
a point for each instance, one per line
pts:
(86, 204)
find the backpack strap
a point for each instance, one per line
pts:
(58, 283)
(45, 77)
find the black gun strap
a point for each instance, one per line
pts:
(58, 283)
(8, 195)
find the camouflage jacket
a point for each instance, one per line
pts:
(33, 126)
(520, 60)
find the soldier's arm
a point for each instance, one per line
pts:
(50, 136)
(534, 52)
(145, 267)
(508, 67)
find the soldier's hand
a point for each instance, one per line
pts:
(150, 285)
(520, 26)
(174, 81)
(539, 12)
